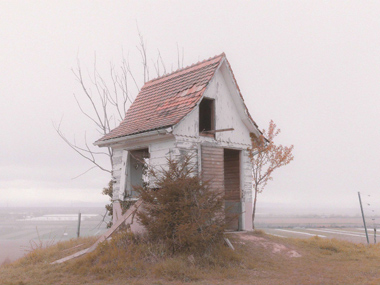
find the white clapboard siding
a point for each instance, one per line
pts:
(124, 174)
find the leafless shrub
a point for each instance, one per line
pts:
(39, 243)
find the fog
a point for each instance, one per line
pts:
(311, 66)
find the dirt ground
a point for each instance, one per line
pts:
(273, 247)
(263, 259)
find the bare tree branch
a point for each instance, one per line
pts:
(106, 105)
(132, 76)
(178, 64)
(162, 62)
(94, 107)
(87, 115)
(83, 172)
(90, 158)
(142, 49)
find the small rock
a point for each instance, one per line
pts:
(293, 253)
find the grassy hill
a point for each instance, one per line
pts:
(257, 259)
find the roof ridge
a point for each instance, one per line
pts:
(159, 104)
(183, 68)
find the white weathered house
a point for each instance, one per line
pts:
(198, 110)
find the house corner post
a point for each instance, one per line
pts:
(247, 216)
(120, 184)
(117, 212)
(247, 206)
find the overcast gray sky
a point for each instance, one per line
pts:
(311, 66)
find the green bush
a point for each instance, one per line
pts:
(181, 210)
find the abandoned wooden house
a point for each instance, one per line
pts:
(197, 110)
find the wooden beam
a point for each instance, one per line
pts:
(104, 236)
(218, 131)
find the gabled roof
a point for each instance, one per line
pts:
(164, 101)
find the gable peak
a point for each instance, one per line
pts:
(180, 71)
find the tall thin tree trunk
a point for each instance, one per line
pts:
(254, 209)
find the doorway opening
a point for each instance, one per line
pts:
(137, 171)
(233, 209)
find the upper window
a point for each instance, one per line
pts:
(207, 117)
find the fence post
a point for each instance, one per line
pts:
(365, 226)
(78, 231)
(374, 235)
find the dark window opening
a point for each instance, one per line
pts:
(207, 117)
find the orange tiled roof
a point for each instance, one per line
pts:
(164, 101)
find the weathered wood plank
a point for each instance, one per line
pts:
(213, 166)
(232, 178)
(104, 236)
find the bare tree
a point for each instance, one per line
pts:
(266, 156)
(104, 101)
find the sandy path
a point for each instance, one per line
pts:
(268, 244)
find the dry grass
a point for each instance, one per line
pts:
(258, 259)
(35, 267)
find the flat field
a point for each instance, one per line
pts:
(257, 259)
(339, 227)
(22, 229)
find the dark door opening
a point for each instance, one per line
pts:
(233, 209)
(137, 170)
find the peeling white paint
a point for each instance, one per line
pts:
(227, 108)
(229, 113)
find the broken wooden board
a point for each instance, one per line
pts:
(119, 222)
(104, 236)
(77, 254)
(229, 243)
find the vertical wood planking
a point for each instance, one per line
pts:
(232, 175)
(213, 166)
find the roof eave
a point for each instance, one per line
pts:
(245, 115)
(148, 134)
